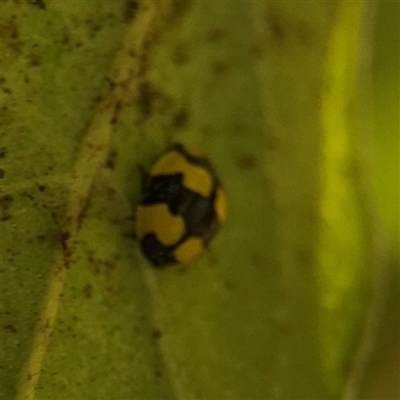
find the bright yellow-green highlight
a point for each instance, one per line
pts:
(342, 245)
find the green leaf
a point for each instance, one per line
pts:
(278, 306)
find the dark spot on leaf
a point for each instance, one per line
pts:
(112, 84)
(110, 161)
(109, 289)
(29, 196)
(273, 20)
(117, 109)
(109, 266)
(247, 161)
(5, 202)
(2, 173)
(65, 35)
(11, 328)
(272, 141)
(35, 59)
(88, 291)
(180, 119)
(156, 334)
(219, 67)
(180, 54)
(130, 235)
(131, 9)
(38, 3)
(45, 326)
(146, 98)
(215, 35)
(178, 9)
(9, 30)
(64, 242)
(208, 130)
(157, 373)
(305, 256)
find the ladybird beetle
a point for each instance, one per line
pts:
(181, 208)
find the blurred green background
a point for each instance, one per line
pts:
(382, 377)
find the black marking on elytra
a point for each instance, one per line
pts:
(199, 215)
(196, 210)
(162, 189)
(200, 161)
(158, 254)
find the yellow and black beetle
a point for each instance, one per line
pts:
(181, 208)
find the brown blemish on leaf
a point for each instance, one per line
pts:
(117, 110)
(130, 235)
(65, 35)
(9, 29)
(247, 161)
(88, 291)
(10, 328)
(180, 119)
(45, 326)
(150, 99)
(109, 266)
(178, 9)
(156, 334)
(5, 203)
(207, 130)
(216, 35)
(219, 67)
(180, 54)
(146, 97)
(109, 289)
(272, 141)
(38, 3)
(110, 161)
(275, 26)
(2, 173)
(41, 237)
(130, 10)
(305, 256)
(78, 44)
(35, 58)
(64, 238)
(157, 373)
(10, 34)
